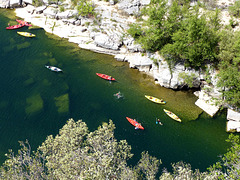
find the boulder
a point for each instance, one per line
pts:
(131, 45)
(206, 103)
(233, 124)
(233, 115)
(108, 42)
(39, 10)
(142, 63)
(14, 3)
(132, 7)
(50, 12)
(163, 75)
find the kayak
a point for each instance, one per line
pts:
(135, 123)
(14, 26)
(53, 68)
(172, 115)
(26, 34)
(25, 23)
(107, 77)
(156, 100)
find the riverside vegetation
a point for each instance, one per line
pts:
(194, 36)
(76, 153)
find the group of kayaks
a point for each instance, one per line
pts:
(160, 101)
(151, 98)
(21, 24)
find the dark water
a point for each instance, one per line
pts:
(35, 102)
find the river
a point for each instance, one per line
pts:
(35, 102)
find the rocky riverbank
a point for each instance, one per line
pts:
(107, 34)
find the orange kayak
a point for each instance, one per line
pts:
(135, 123)
(23, 22)
(14, 26)
(107, 77)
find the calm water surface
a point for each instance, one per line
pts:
(35, 102)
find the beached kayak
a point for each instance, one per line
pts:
(135, 123)
(53, 68)
(23, 22)
(26, 34)
(156, 100)
(172, 115)
(107, 77)
(14, 26)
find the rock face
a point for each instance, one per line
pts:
(233, 124)
(10, 3)
(132, 7)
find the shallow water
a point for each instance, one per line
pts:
(35, 102)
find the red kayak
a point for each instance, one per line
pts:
(14, 26)
(107, 77)
(135, 123)
(25, 23)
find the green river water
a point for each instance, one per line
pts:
(35, 102)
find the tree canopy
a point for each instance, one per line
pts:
(179, 32)
(76, 153)
(229, 67)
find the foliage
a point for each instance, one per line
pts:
(61, 9)
(37, 3)
(187, 79)
(135, 30)
(229, 67)
(179, 32)
(196, 41)
(228, 167)
(162, 22)
(234, 10)
(182, 171)
(149, 165)
(76, 153)
(85, 8)
(24, 165)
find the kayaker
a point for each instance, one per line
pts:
(159, 122)
(9, 24)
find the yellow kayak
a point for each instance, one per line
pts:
(172, 115)
(156, 100)
(26, 34)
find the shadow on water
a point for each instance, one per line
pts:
(35, 102)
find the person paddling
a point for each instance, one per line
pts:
(159, 122)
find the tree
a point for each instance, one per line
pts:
(229, 67)
(195, 42)
(234, 10)
(24, 165)
(229, 165)
(149, 165)
(76, 153)
(162, 22)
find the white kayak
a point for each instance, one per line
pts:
(53, 68)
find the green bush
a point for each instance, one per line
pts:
(135, 30)
(234, 10)
(85, 8)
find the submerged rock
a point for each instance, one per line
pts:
(34, 104)
(62, 103)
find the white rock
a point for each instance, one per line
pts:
(208, 107)
(233, 115)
